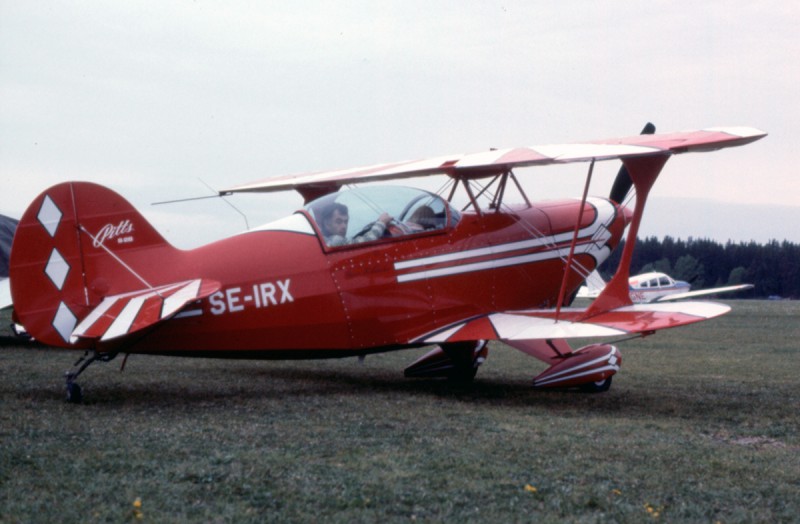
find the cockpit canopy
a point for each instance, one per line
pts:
(413, 210)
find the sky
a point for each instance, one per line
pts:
(175, 99)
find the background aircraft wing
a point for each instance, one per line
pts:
(490, 163)
(542, 324)
(120, 315)
(704, 292)
(5, 293)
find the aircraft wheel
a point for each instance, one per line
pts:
(597, 387)
(74, 393)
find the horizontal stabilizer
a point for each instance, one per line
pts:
(571, 323)
(120, 315)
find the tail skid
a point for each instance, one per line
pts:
(643, 172)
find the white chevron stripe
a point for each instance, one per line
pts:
(550, 380)
(560, 374)
(125, 319)
(566, 152)
(521, 327)
(173, 297)
(93, 317)
(177, 300)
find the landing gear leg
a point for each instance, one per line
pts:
(466, 357)
(74, 393)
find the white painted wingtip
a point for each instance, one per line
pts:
(742, 132)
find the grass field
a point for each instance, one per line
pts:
(701, 425)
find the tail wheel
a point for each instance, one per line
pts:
(597, 387)
(74, 393)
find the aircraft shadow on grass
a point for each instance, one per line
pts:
(284, 385)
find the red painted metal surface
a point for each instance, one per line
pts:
(283, 290)
(589, 364)
(88, 271)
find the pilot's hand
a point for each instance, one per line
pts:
(385, 218)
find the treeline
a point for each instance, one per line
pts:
(773, 268)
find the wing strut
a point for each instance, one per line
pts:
(643, 171)
(471, 195)
(501, 191)
(519, 188)
(568, 266)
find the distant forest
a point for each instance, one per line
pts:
(773, 268)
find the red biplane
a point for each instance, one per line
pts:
(361, 270)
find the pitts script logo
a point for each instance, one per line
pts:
(122, 232)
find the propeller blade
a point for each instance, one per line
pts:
(622, 183)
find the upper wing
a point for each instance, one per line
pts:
(490, 163)
(542, 324)
(704, 292)
(120, 315)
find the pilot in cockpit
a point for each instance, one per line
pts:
(421, 219)
(334, 220)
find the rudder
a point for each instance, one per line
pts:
(76, 243)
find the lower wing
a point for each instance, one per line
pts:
(572, 323)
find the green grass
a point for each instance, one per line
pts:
(701, 425)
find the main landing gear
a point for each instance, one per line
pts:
(74, 393)
(458, 362)
(597, 387)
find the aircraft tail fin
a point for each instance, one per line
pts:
(77, 243)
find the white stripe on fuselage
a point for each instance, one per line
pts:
(604, 210)
(498, 263)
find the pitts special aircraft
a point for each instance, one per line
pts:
(361, 270)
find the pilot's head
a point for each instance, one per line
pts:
(424, 217)
(334, 220)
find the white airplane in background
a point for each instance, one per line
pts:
(654, 287)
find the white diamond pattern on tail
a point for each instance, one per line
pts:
(49, 215)
(64, 321)
(57, 269)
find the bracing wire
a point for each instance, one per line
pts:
(216, 194)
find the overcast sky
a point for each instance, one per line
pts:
(159, 99)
